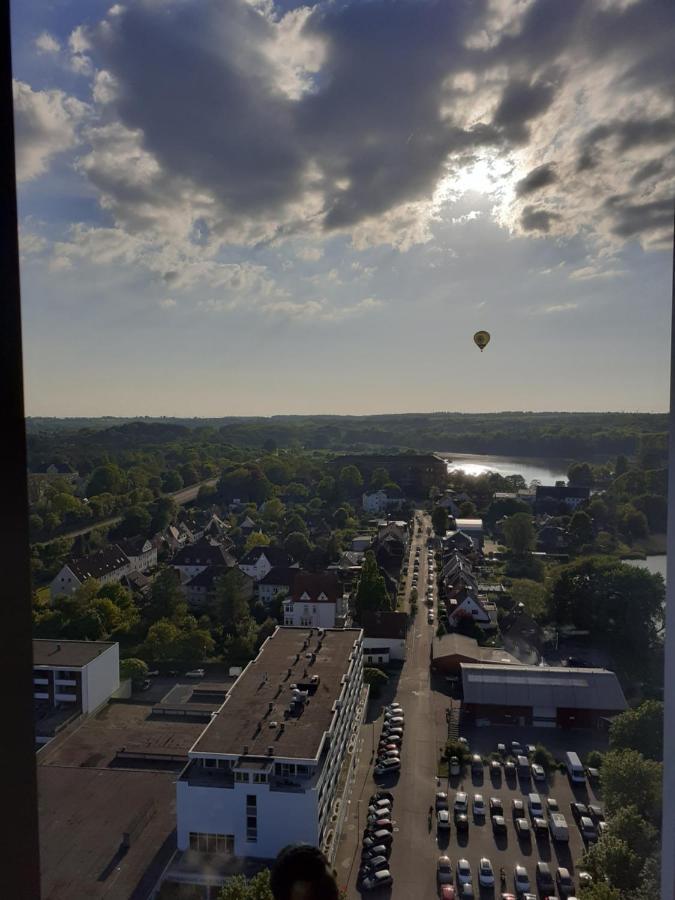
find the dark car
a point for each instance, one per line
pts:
(382, 795)
(518, 809)
(540, 827)
(499, 824)
(373, 838)
(377, 850)
(523, 829)
(510, 768)
(564, 882)
(545, 882)
(496, 808)
(461, 822)
(579, 810)
(593, 775)
(596, 813)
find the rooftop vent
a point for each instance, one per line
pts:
(270, 706)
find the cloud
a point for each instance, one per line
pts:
(46, 43)
(46, 123)
(533, 219)
(307, 311)
(167, 303)
(538, 178)
(309, 254)
(589, 273)
(361, 118)
(555, 309)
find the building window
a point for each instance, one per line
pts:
(251, 817)
(260, 778)
(241, 777)
(211, 843)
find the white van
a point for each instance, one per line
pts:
(574, 768)
(557, 825)
(535, 807)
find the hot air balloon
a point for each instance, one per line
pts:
(481, 339)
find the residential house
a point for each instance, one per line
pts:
(361, 543)
(138, 583)
(384, 635)
(316, 601)
(194, 558)
(457, 540)
(141, 552)
(382, 501)
(248, 525)
(259, 560)
(279, 580)
(551, 538)
(473, 528)
(106, 566)
(467, 605)
(200, 587)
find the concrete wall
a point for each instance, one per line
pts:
(396, 647)
(100, 679)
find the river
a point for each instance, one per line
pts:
(532, 468)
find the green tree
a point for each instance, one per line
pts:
(107, 479)
(614, 860)
(439, 520)
(627, 778)
(163, 511)
(580, 474)
(600, 890)
(133, 668)
(519, 534)
(298, 546)
(256, 539)
(621, 465)
(350, 482)
(189, 474)
(633, 523)
(581, 528)
(371, 593)
(326, 488)
(628, 825)
(171, 481)
(532, 595)
(467, 510)
(376, 678)
(136, 520)
(160, 642)
(230, 599)
(641, 729)
(167, 600)
(193, 646)
(238, 887)
(379, 478)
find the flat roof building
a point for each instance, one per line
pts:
(267, 769)
(541, 696)
(69, 678)
(449, 651)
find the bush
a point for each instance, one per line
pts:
(544, 757)
(376, 678)
(458, 749)
(594, 759)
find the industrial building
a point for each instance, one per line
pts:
(540, 696)
(269, 767)
(450, 651)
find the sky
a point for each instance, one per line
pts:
(256, 208)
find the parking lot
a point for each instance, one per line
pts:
(507, 850)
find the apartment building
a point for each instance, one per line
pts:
(265, 771)
(77, 674)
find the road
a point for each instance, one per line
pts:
(414, 855)
(183, 496)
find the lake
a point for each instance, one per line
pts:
(532, 468)
(655, 564)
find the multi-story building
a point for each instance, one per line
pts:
(141, 553)
(77, 674)
(265, 771)
(316, 601)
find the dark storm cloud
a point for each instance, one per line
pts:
(379, 123)
(653, 167)
(520, 103)
(537, 179)
(631, 219)
(533, 219)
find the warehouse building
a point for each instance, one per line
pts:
(542, 697)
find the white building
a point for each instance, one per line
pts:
(384, 635)
(264, 773)
(316, 601)
(381, 501)
(106, 566)
(81, 674)
(141, 553)
(469, 606)
(277, 581)
(473, 528)
(195, 558)
(260, 560)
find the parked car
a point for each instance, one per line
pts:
(476, 764)
(587, 828)
(461, 802)
(443, 820)
(495, 767)
(146, 684)
(498, 825)
(544, 879)
(195, 673)
(386, 766)
(441, 800)
(478, 806)
(496, 808)
(523, 829)
(455, 767)
(510, 768)
(444, 870)
(381, 806)
(461, 823)
(466, 891)
(593, 775)
(382, 795)
(379, 823)
(534, 806)
(375, 838)
(516, 749)
(557, 825)
(540, 827)
(377, 850)
(552, 804)
(596, 813)
(377, 880)
(463, 871)
(578, 810)
(521, 880)
(486, 875)
(518, 809)
(538, 772)
(448, 892)
(501, 748)
(374, 864)
(563, 880)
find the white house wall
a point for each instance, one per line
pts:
(100, 679)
